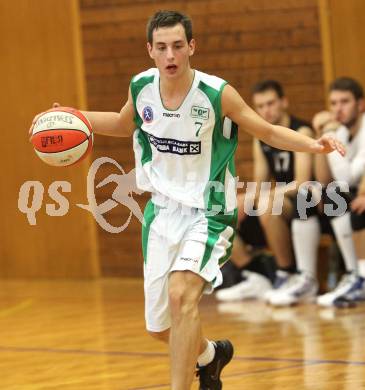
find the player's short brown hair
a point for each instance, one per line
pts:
(268, 85)
(347, 84)
(169, 19)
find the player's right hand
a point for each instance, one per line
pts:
(327, 144)
(358, 204)
(324, 120)
(30, 131)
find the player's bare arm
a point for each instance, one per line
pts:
(303, 161)
(261, 171)
(261, 174)
(358, 204)
(323, 123)
(112, 124)
(280, 137)
(303, 167)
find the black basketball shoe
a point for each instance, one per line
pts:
(209, 375)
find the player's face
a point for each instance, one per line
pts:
(270, 106)
(344, 107)
(171, 51)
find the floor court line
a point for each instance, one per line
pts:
(80, 351)
(297, 360)
(157, 355)
(238, 374)
(17, 308)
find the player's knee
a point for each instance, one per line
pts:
(266, 218)
(241, 209)
(161, 336)
(177, 296)
(357, 221)
(182, 302)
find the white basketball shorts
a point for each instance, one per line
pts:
(181, 239)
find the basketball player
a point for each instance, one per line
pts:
(282, 166)
(346, 121)
(184, 142)
(358, 224)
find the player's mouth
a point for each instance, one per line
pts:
(171, 68)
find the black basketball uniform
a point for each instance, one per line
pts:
(281, 167)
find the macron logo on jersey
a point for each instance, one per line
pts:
(171, 115)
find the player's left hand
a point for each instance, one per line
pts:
(327, 144)
(30, 131)
(358, 204)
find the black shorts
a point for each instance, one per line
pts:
(330, 198)
(251, 232)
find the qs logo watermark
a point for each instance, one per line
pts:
(31, 194)
(256, 201)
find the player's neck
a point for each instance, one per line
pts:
(356, 126)
(174, 91)
(284, 120)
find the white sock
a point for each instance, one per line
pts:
(208, 355)
(343, 232)
(305, 236)
(361, 265)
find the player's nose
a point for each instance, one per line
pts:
(170, 53)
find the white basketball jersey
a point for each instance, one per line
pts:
(186, 155)
(351, 167)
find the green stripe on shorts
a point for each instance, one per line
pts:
(216, 225)
(149, 215)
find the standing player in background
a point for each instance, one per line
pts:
(346, 121)
(282, 166)
(184, 143)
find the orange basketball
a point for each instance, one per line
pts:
(62, 136)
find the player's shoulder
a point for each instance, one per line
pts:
(297, 123)
(145, 76)
(362, 125)
(342, 134)
(211, 81)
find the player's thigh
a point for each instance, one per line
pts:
(289, 204)
(157, 263)
(206, 245)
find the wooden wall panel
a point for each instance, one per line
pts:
(343, 32)
(242, 41)
(41, 62)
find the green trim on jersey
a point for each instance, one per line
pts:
(216, 225)
(223, 150)
(149, 215)
(136, 88)
(146, 155)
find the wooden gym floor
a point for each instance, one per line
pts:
(90, 335)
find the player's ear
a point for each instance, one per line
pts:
(191, 45)
(149, 49)
(361, 104)
(285, 102)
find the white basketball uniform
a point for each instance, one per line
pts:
(351, 167)
(185, 158)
